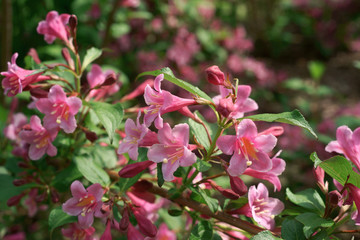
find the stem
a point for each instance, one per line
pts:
(203, 209)
(211, 177)
(213, 144)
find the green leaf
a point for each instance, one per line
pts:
(168, 75)
(340, 169)
(160, 177)
(201, 196)
(309, 199)
(64, 178)
(314, 157)
(264, 235)
(292, 230)
(58, 218)
(316, 69)
(91, 171)
(312, 222)
(175, 212)
(110, 115)
(91, 55)
(202, 166)
(199, 132)
(202, 231)
(293, 118)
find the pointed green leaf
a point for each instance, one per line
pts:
(292, 230)
(202, 231)
(312, 222)
(91, 55)
(58, 218)
(168, 75)
(91, 171)
(264, 235)
(293, 118)
(110, 115)
(160, 177)
(309, 199)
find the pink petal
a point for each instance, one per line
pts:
(96, 190)
(57, 94)
(70, 207)
(157, 153)
(165, 135)
(356, 136)
(35, 123)
(246, 128)
(44, 105)
(68, 125)
(159, 122)
(237, 165)
(181, 134)
(188, 159)
(95, 77)
(334, 146)
(157, 82)
(168, 170)
(243, 92)
(74, 104)
(87, 220)
(265, 143)
(51, 150)
(77, 189)
(36, 153)
(263, 162)
(278, 166)
(226, 144)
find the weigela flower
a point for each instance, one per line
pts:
(263, 207)
(17, 78)
(39, 138)
(54, 27)
(12, 130)
(248, 148)
(348, 143)
(59, 110)
(161, 102)
(85, 203)
(235, 106)
(354, 193)
(136, 135)
(96, 77)
(278, 167)
(172, 150)
(75, 231)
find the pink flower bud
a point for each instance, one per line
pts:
(138, 91)
(276, 131)
(110, 79)
(225, 106)
(214, 75)
(334, 198)
(107, 233)
(38, 92)
(66, 55)
(228, 193)
(124, 222)
(142, 186)
(132, 170)
(238, 185)
(73, 23)
(134, 234)
(15, 200)
(145, 225)
(19, 182)
(54, 196)
(33, 53)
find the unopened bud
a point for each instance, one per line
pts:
(39, 93)
(124, 222)
(15, 200)
(214, 75)
(225, 107)
(142, 186)
(90, 135)
(145, 225)
(19, 182)
(132, 170)
(73, 23)
(41, 197)
(228, 193)
(334, 198)
(66, 55)
(138, 91)
(238, 185)
(54, 196)
(276, 131)
(33, 53)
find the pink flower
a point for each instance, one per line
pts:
(235, 106)
(85, 203)
(59, 110)
(96, 77)
(76, 232)
(17, 78)
(12, 130)
(40, 139)
(278, 167)
(348, 143)
(161, 102)
(172, 150)
(54, 27)
(354, 193)
(136, 135)
(248, 148)
(263, 207)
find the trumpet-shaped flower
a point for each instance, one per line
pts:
(59, 110)
(136, 135)
(54, 27)
(348, 143)
(248, 148)
(85, 203)
(39, 138)
(172, 150)
(235, 106)
(161, 102)
(263, 207)
(17, 78)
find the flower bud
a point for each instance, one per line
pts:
(41, 197)
(145, 225)
(73, 23)
(107, 233)
(132, 170)
(39, 92)
(334, 198)
(225, 107)
(238, 185)
(142, 186)
(54, 196)
(15, 200)
(66, 55)
(124, 222)
(138, 91)
(19, 182)
(276, 131)
(110, 79)
(133, 233)
(33, 53)
(228, 193)
(214, 75)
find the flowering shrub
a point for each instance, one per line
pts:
(131, 180)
